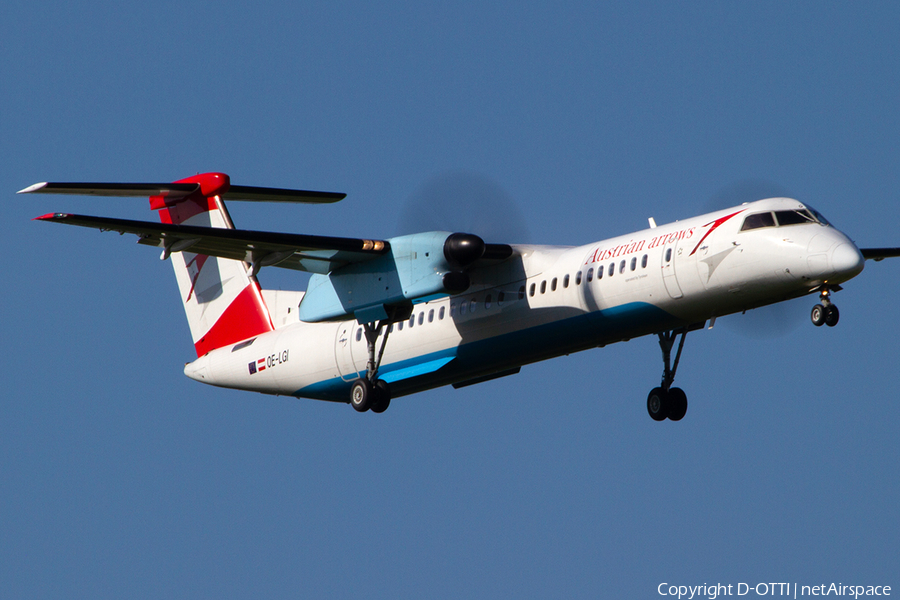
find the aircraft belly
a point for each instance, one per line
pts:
(492, 347)
(539, 342)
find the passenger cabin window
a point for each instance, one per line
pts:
(612, 269)
(590, 274)
(553, 285)
(521, 292)
(578, 278)
(431, 316)
(668, 254)
(421, 317)
(358, 334)
(644, 262)
(566, 281)
(441, 314)
(500, 298)
(622, 267)
(472, 305)
(758, 221)
(531, 290)
(600, 273)
(544, 286)
(487, 301)
(634, 263)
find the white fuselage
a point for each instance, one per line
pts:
(547, 301)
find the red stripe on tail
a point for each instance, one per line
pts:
(244, 318)
(213, 288)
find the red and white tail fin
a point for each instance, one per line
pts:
(223, 303)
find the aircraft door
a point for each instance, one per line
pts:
(343, 350)
(669, 253)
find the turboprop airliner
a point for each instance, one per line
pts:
(386, 318)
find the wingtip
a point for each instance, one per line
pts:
(51, 217)
(33, 188)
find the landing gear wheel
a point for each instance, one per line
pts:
(665, 401)
(382, 396)
(677, 404)
(361, 395)
(832, 315)
(658, 404)
(819, 315)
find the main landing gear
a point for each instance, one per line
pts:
(369, 392)
(825, 313)
(667, 402)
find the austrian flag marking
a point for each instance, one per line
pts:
(267, 362)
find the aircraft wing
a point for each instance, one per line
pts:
(877, 254)
(313, 253)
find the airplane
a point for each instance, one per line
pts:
(381, 319)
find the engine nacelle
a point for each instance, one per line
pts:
(419, 267)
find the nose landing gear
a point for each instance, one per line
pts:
(667, 402)
(825, 313)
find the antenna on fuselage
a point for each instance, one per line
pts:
(652, 222)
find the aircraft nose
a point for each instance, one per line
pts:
(847, 260)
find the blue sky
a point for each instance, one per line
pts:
(119, 477)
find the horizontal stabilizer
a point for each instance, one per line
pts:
(264, 194)
(121, 190)
(175, 191)
(312, 253)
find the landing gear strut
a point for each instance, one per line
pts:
(667, 402)
(369, 392)
(825, 313)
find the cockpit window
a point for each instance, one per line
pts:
(800, 216)
(818, 216)
(757, 221)
(794, 217)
